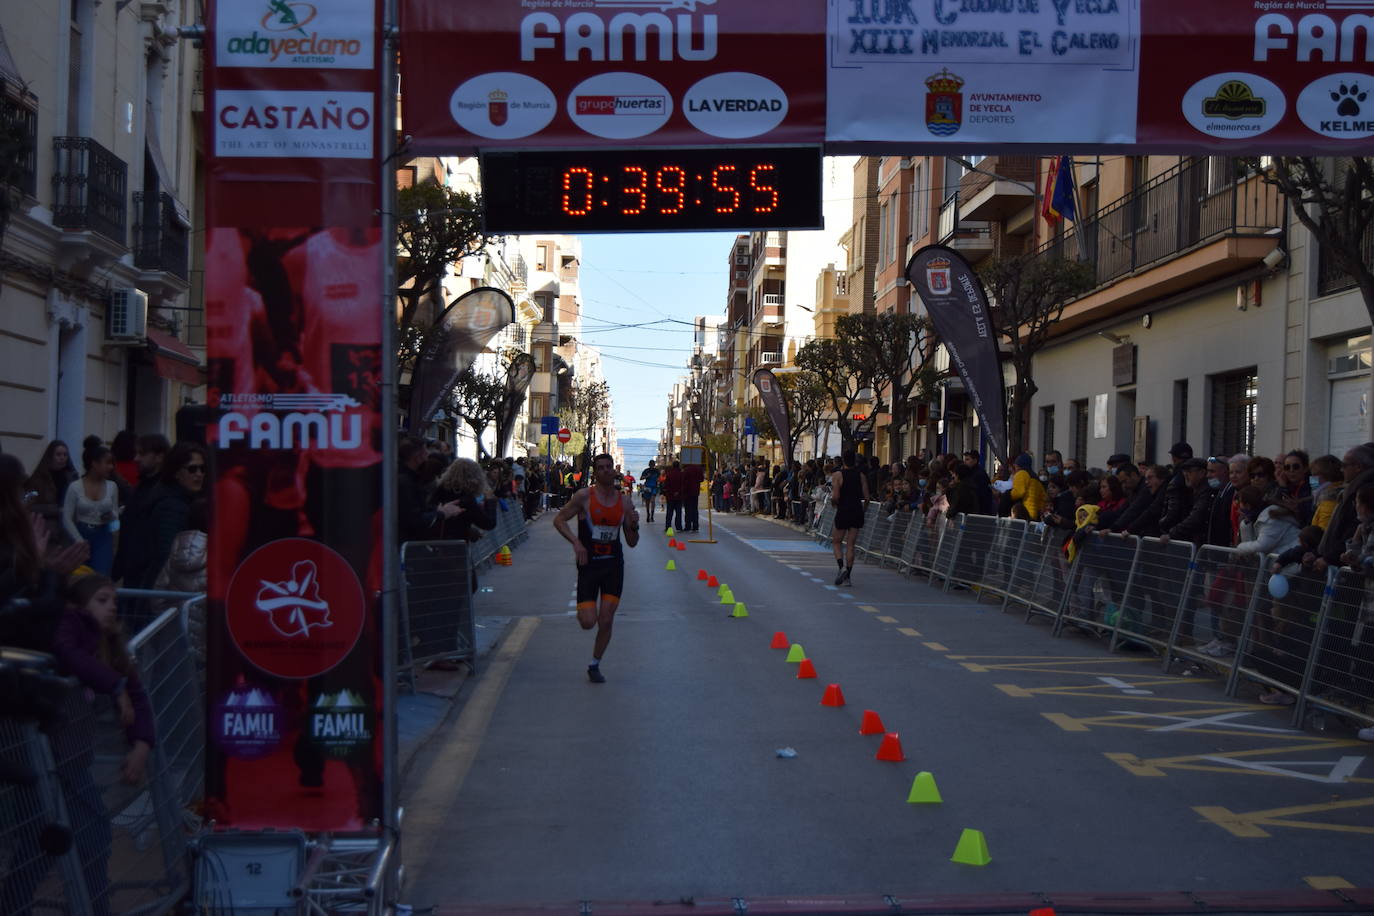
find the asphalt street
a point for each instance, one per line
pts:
(1084, 771)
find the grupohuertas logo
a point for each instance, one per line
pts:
(340, 723)
(290, 421)
(295, 33)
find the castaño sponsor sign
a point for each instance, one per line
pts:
(603, 72)
(323, 125)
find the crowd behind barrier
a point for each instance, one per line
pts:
(1315, 644)
(74, 838)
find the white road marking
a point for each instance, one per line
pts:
(1126, 687)
(1180, 723)
(1338, 771)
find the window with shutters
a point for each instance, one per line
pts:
(1235, 403)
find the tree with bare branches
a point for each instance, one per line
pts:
(1028, 293)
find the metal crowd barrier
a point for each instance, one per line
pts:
(1208, 607)
(436, 604)
(73, 837)
(437, 600)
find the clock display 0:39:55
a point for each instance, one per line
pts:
(668, 189)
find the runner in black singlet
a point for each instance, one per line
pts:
(849, 496)
(603, 512)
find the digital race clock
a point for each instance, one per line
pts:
(655, 190)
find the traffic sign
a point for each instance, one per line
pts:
(749, 426)
(548, 426)
(564, 434)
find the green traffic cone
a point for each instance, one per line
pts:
(796, 653)
(740, 610)
(972, 849)
(671, 565)
(924, 790)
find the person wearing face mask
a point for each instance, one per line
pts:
(1054, 465)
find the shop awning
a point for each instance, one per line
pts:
(173, 360)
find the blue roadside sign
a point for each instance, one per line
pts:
(548, 426)
(749, 427)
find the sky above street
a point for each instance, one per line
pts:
(639, 296)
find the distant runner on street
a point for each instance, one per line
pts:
(602, 512)
(649, 489)
(849, 496)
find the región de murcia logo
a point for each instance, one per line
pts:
(294, 606)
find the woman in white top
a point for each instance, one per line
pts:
(90, 511)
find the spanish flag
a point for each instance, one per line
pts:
(1061, 197)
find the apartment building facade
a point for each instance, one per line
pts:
(1213, 317)
(101, 316)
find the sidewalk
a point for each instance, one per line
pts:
(498, 602)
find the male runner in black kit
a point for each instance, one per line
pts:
(602, 512)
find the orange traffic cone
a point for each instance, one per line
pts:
(1042, 911)
(834, 696)
(779, 641)
(871, 724)
(891, 748)
(712, 583)
(806, 669)
(701, 575)
(681, 545)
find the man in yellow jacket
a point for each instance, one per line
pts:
(1027, 492)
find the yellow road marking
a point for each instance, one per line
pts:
(869, 608)
(1148, 721)
(888, 619)
(1100, 690)
(908, 631)
(1327, 882)
(443, 781)
(935, 647)
(1068, 723)
(1133, 765)
(1012, 690)
(1206, 763)
(1248, 824)
(976, 669)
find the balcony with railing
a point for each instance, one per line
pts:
(90, 189)
(161, 239)
(1186, 227)
(972, 239)
(1331, 279)
(19, 134)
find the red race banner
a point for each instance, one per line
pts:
(1261, 76)
(612, 73)
(294, 314)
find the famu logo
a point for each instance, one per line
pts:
(340, 723)
(281, 38)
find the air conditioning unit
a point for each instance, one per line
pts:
(126, 320)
